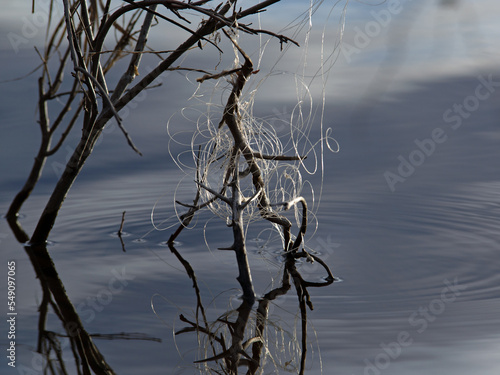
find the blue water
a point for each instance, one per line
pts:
(417, 252)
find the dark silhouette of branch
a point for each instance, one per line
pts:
(90, 357)
(86, 28)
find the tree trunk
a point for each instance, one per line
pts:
(30, 183)
(73, 168)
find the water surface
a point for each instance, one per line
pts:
(418, 259)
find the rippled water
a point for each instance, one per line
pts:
(418, 263)
(419, 266)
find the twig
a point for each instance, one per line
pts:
(143, 5)
(111, 106)
(251, 199)
(304, 254)
(217, 76)
(125, 336)
(220, 196)
(231, 118)
(303, 226)
(206, 28)
(129, 75)
(69, 31)
(258, 155)
(120, 231)
(69, 126)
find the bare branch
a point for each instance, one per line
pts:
(258, 155)
(108, 102)
(120, 231)
(220, 196)
(217, 76)
(251, 199)
(129, 75)
(232, 119)
(68, 127)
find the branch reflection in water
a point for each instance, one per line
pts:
(240, 336)
(87, 357)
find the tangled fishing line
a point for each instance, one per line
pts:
(208, 154)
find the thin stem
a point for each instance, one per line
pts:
(135, 60)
